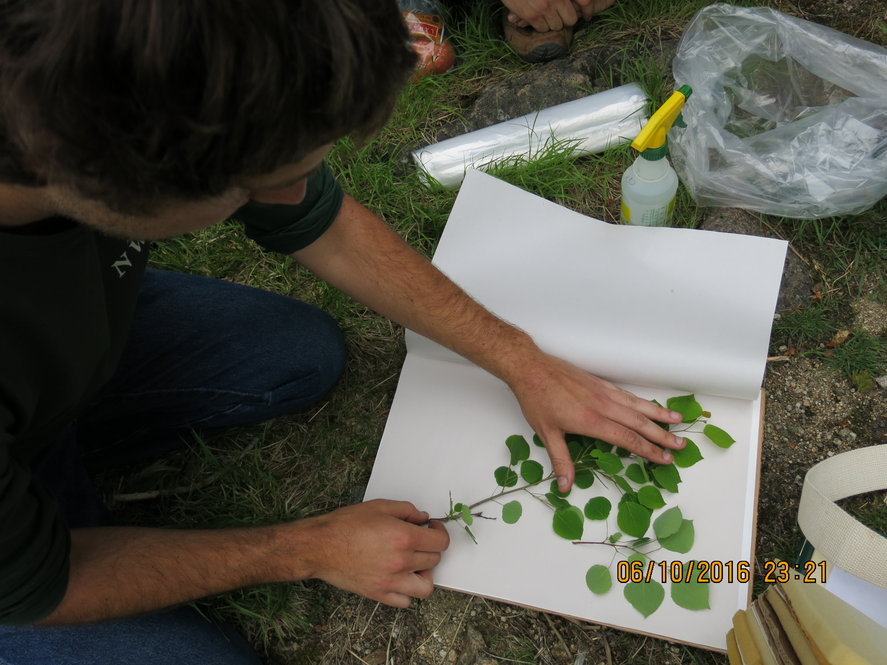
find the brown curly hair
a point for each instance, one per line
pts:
(132, 102)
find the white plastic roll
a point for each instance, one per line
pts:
(588, 125)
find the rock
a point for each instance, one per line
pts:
(473, 647)
(797, 280)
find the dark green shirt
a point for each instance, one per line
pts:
(67, 297)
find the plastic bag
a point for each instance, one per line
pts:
(787, 117)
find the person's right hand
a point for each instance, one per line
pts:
(379, 550)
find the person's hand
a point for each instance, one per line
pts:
(530, 13)
(542, 15)
(379, 550)
(558, 398)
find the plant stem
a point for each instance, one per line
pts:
(504, 492)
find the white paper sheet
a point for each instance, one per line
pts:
(662, 312)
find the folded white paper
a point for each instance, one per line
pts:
(661, 311)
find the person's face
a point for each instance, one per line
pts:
(285, 185)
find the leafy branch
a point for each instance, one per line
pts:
(598, 461)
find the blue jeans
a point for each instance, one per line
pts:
(203, 354)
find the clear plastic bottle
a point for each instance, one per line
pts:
(649, 185)
(648, 189)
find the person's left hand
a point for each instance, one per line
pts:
(558, 398)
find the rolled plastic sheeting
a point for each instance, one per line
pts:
(586, 125)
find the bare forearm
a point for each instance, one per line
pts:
(124, 571)
(412, 292)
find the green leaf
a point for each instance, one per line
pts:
(584, 479)
(687, 406)
(555, 490)
(667, 477)
(645, 597)
(633, 518)
(598, 508)
(556, 501)
(578, 448)
(603, 446)
(511, 512)
(468, 531)
(637, 473)
(688, 455)
(668, 523)
(608, 462)
(651, 497)
(598, 579)
(568, 523)
(537, 441)
(519, 448)
(466, 515)
(622, 483)
(531, 471)
(718, 436)
(637, 556)
(682, 541)
(615, 536)
(629, 496)
(691, 594)
(505, 477)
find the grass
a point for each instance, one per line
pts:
(310, 463)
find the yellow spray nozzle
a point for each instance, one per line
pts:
(653, 134)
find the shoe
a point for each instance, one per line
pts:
(534, 46)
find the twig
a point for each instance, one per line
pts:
(356, 656)
(607, 651)
(461, 621)
(558, 633)
(156, 494)
(372, 614)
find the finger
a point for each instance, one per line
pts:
(561, 462)
(435, 538)
(405, 511)
(626, 438)
(413, 585)
(438, 527)
(393, 599)
(420, 561)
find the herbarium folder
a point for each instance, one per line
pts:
(660, 311)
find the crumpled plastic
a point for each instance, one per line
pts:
(787, 117)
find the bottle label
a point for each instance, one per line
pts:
(424, 26)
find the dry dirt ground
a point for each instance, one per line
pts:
(812, 413)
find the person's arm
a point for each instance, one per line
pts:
(364, 258)
(376, 549)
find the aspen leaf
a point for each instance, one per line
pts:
(637, 556)
(603, 446)
(467, 517)
(691, 594)
(681, 541)
(688, 455)
(598, 508)
(637, 473)
(667, 477)
(505, 477)
(537, 441)
(556, 501)
(645, 597)
(633, 519)
(470, 533)
(568, 523)
(608, 462)
(718, 436)
(584, 478)
(687, 406)
(518, 447)
(615, 536)
(598, 579)
(668, 523)
(531, 471)
(622, 483)
(511, 512)
(650, 497)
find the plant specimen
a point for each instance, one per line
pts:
(642, 486)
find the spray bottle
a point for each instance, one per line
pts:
(649, 185)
